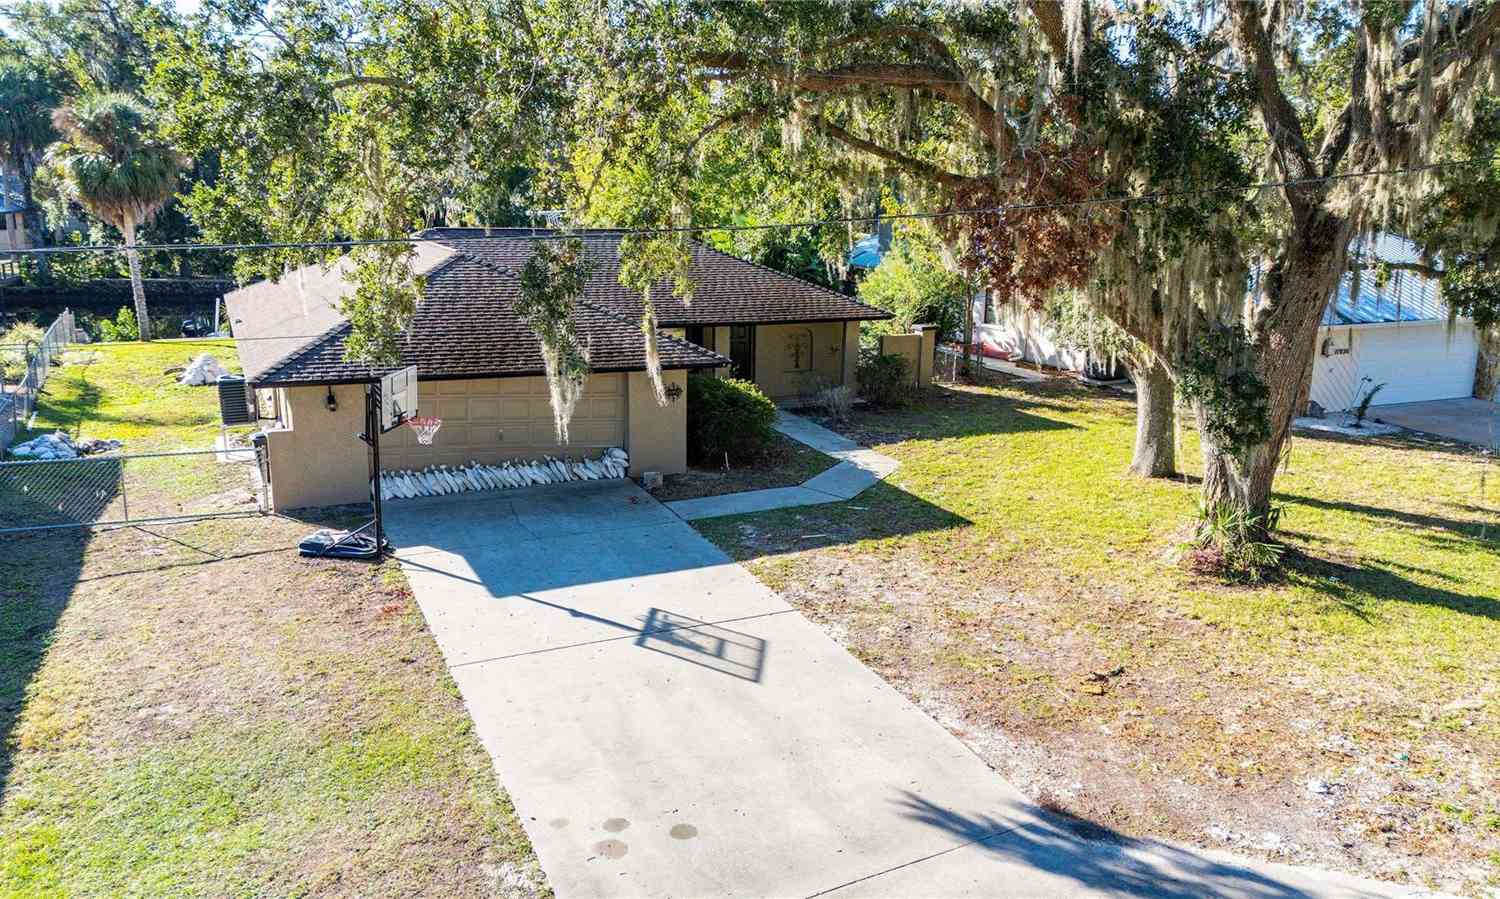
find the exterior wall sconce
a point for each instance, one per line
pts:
(331, 401)
(674, 392)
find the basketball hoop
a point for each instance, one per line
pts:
(426, 428)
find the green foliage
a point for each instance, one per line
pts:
(1363, 407)
(386, 291)
(912, 282)
(1218, 375)
(124, 327)
(727, 417)
(884, 379)
(551, 282)
(1231, 543)
(15, 347)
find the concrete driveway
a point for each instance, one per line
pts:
(668, 726)
(1470, 420)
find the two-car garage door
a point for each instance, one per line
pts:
(507, 418)
(1417, 361)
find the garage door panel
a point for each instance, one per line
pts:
(607, 407)
(484, 408)
(510, 418)
(453, 408)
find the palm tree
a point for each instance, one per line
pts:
(117, 170)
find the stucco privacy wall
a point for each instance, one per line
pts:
(317, 459)
(795, 360)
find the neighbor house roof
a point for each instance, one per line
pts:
(727, 290)
(465, 326)
(1406, 296)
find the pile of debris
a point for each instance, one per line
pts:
(203, 370)
(59, 445)
(440, 480)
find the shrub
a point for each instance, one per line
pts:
(13, 345)
(836, 401)
(124, 327)
(727, 416)
(885, 380)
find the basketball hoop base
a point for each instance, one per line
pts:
(426, 428)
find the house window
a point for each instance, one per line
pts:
(700, 335)
(989, 308)
(799, 350)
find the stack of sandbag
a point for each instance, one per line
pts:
(203, 370)
(440, 480)
(56, 445)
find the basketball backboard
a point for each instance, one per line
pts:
(398, 398)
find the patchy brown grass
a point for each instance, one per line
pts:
(1014, 582)
(257, 723)
(786, 464)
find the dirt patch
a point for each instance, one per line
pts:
(786, 464)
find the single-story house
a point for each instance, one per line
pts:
(480, 366)
(1395, 333)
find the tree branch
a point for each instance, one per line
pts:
(359, 80)
(946, 83)
(911, 164)
(1280, 117)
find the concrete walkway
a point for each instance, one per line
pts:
(858, 469)
(668, 726)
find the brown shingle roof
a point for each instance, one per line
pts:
(466, 327)
(728, 290)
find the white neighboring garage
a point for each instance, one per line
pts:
(1398, 334)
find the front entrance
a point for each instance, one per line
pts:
(742, 352)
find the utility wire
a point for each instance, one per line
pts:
(555, 234)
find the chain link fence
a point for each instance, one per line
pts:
(18, 397)
(136, 489)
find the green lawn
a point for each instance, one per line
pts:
(128, 394)
(195, 710)
(1013, 575)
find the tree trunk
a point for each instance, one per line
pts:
(967, 372)
(1155, 419)
(137, 290)
(1298, 287)
(1487, 371)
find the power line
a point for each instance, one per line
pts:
(554, 234)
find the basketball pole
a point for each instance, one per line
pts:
(371, 436)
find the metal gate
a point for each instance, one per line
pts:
(90, 491)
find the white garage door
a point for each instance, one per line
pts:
(507, 418)
(1416, 362)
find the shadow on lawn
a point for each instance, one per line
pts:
(39, 573)
(1060, 846)
(1379, 579)
(946, 412)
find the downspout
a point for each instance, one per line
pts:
(843, 354)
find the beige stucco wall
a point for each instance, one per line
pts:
(656, 435)
(908, 347)
(317, 459)
(316, 456)
(777, 368)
